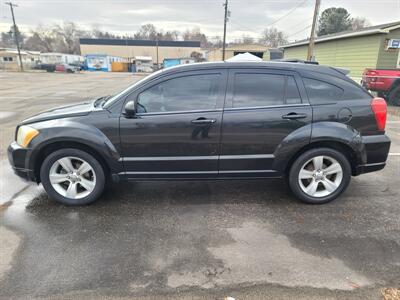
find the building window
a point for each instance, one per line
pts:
(8, 58)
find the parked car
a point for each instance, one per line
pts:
(385, 82)
(68, 68)
(309, 124)
(60, 67)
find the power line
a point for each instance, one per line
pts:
(288, 13)
(277, 20)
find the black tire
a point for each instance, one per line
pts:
(97, 169)
(303, 159)
(394, 96)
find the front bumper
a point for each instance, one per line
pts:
(376, 151)
(18, 158)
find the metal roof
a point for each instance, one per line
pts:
(378, 29)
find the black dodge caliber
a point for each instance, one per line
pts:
(307, 123)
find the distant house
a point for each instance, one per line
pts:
(235, 49)
(370, 47)
(9, 59)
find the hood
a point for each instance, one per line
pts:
(74, 110)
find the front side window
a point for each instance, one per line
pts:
(320, 91)
(252, 90)
(195, 92)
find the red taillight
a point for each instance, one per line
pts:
(379, 108)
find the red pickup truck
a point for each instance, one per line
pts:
(385, 82)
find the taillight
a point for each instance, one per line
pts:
(379, 108)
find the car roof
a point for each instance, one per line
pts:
(290, 66)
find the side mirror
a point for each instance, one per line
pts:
(130, 109)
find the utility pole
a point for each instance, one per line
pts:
(225, 20)
(16, 33)
(157, 37)
(310, 52)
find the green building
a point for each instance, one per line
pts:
(370, 47)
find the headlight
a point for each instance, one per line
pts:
(25, 135)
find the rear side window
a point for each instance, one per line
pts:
(252, 90)
(321, 91)
(292, 91)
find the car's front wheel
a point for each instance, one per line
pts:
(319, 175)
(72, 177)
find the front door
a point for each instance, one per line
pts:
(262, 108)
(176, 130)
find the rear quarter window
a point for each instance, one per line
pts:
(321, 92)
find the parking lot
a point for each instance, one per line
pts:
(192, 240)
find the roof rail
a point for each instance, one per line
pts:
(295, 60)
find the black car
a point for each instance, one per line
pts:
(309, 124)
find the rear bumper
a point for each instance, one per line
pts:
(375, 152)
(18, 158)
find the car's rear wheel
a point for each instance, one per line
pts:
(394, 96)
(319, 175)
(72, 177)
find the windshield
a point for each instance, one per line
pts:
(111, 100)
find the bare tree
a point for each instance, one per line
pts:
(358, 23)
(8, 38)
(41, 39)
(67, 37)
(272, 37)
(170, 35)
(198, 57)
(147, 32)
(196, 35)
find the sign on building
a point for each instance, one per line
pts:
(394, 44)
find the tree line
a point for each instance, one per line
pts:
(65, 37)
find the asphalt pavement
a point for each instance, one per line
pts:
(194, 239)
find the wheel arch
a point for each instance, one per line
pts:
(394, 85)
(342, 147)
(49, 148)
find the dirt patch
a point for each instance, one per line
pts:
(391, 294)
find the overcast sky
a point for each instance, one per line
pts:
(248, 17)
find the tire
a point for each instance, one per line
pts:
(394, 96)
(66, 167)
(328, 186)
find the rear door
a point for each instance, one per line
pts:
(262, 108)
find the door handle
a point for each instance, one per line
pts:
(204, 121)
(294, 116)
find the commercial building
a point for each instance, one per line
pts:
(370, 47)
(129, 49)
(235, 49)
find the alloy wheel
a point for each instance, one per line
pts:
(72, 177)
(320, 176)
